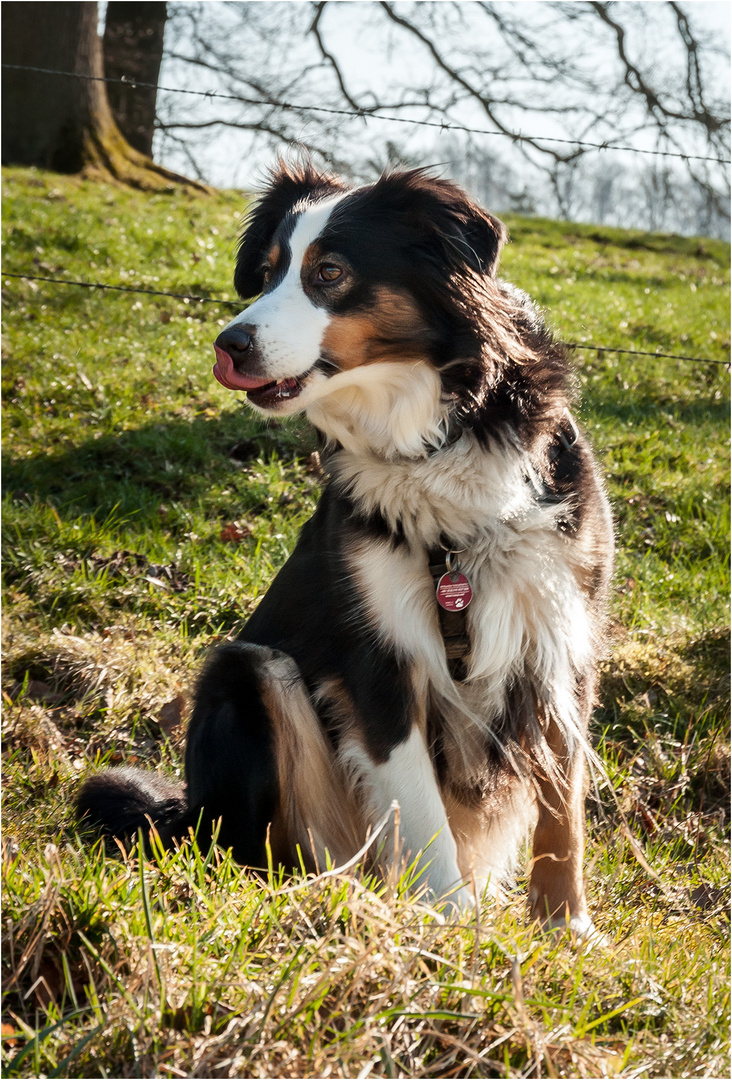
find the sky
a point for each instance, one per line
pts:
(227, 158)
(374, 57)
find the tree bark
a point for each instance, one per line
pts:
(133, 50)
(64, 123)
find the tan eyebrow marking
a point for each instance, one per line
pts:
(313, 254)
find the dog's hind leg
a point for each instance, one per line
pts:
(257, 759)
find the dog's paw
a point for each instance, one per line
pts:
(449, 904)
(458, 901)
(581, 929)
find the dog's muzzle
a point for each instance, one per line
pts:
(237, 364)
(237, 360)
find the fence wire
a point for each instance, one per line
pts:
(365, 114)
(238, 304)
(124, 288)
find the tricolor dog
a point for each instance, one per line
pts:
(433, 638)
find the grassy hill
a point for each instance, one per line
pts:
(145, 512)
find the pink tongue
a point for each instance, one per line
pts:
(231, 379)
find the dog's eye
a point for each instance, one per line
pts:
(329, 272)
(266, 274)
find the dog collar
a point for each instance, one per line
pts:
(453, 594)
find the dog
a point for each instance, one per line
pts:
(432, 640)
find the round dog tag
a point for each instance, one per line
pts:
(454, 592)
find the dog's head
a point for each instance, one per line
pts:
(360, 288)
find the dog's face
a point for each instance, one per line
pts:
(350, 279)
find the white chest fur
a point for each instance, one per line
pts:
(527, 612)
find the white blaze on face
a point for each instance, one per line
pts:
(394, 408)
(289, 326)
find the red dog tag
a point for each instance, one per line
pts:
(454, 592)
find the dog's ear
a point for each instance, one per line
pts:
(289, 184)
(484, 236)
(430, 207)
(474, 236)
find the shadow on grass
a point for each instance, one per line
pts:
(136, 470)
(678, 683)
(548, 232)
(640, 407)
(181, 460)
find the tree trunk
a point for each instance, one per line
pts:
(133, 50)
(64, 123)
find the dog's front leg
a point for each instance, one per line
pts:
(556, 888)
(408, 778)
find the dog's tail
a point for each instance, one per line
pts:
(120, 802)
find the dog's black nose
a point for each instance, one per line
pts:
(237, 341)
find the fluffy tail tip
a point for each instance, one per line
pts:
(119, 802)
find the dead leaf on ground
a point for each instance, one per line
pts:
(10, 1035)
(313, 465)
(35, 690)
(707, 897)
(48, 986)
(167, 577)
(235, 531)
(171, 713)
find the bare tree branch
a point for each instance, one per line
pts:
(636, 82)
(330, 58)
(460, 80)
(580, 72)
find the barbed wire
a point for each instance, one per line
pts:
(124, 288)
(238, 304)
(364, 114)
(641, 352)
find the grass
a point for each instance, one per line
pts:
(145, 513)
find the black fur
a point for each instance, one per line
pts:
(229, 755)
(123, 801)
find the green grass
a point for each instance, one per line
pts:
(145, 512)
